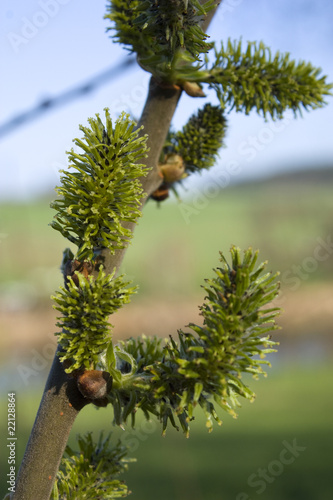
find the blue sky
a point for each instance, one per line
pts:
(50, 46)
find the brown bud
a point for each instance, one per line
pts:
(193, 89)
(162, 193)
(85, 268)
(94, 384)
(173, 168)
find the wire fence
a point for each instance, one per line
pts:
(64, 98)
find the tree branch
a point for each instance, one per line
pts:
(62, 401)
(60, 405)
(156, 118)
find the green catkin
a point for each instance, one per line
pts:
(93, 471)
(270, 84)
(85, 331)
(102, 190)
(206, 365)
(158, 30)
(200, 139)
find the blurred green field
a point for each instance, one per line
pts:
(292, 404)
(283, 217)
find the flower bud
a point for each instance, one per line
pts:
(85, 268)
(94, 384)
(193, 89)
(173, 168)
(161, 193)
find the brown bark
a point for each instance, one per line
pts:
(156, 117)
(60, 404)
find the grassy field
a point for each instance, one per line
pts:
(281, 217)
(284, 218)
(293, 406)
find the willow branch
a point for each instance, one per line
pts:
(156, 118)
(59, 407)
(61, 401)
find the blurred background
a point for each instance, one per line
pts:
(271, 189)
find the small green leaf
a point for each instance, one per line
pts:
(110, 357)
